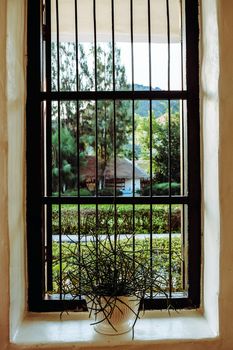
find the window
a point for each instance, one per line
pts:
(113, 127)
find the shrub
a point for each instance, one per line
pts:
(160, 254)
(124, 220)
(161, 189)
(109, 192)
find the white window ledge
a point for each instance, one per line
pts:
(74, 329)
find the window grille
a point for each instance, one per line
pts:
(86, 154)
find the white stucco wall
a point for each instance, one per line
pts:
(217, 122)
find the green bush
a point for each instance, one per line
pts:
(160, 258)
(161, 189)
(109, 192)
(127, 221)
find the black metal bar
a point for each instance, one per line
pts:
(113, 47)
(151, 194)
(48, 144)
(117, 200)
(182, 169)
(183, 231)
(77, 140)
(51, 305)
(117, 95)
(168, 44)
(170, 251)
(169, 148)
(151, 247)
(133, 151)
(96, 103)
(194, 221)
(36, 201)
(95, 45)
(132, 41)
(96, 129)
(76, 44)
(59, 147)
(182, 45)
(149, 43)
(77, 101)
(33, 156)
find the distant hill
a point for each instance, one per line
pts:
(158, 107)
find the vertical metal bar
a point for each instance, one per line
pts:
(59, 150)
(193, 129)
(49, 144)
(183, 177)
(114, 124)
(77, 101)
(133, 150)
(76, 44)
(151, 144)
(78, 144)
(113, 48)
(182, 102)
(96, 131)
(114, 101)
(132, 42)
(149, 42)
(96, 102)
(169, 44)
(115, 172)
(133, 120)
(170, 251)
(182, 44)
(169, 147)
(95, 42)
(151, 195)
(34, 160)
(150, 79)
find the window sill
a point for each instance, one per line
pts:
(154, 326)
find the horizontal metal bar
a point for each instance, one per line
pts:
(116, 200)
(80, 305)
(113, 95)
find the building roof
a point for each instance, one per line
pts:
(124, 169)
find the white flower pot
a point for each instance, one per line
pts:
(114, 315)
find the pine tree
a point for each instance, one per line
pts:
(113, 132)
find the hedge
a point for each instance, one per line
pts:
(124, 223)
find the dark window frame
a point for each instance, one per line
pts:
(35, 150)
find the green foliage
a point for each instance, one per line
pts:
(160, 251)
(109, 192)
(106, 268)
(159, 130)
(159, 107)
(108, 122)
(161, 189)
(124, 222)
(68, 151)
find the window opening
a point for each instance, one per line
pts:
(113, 140)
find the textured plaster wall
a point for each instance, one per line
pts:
(210, 145)
(4, 248)
(226, 170)
(217, 122)
(16, 63)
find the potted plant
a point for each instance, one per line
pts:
(114, 274)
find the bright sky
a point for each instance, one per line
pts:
(159, 60)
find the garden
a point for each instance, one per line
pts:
(157, 237)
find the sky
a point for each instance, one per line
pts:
(159, 59)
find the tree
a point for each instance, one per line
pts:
(159, 130)
(111, 132)
(67, 159)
